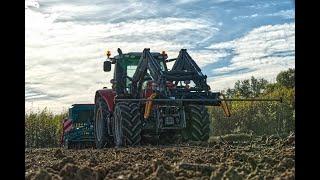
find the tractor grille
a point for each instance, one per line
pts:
(171, 117)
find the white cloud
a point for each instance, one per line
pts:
(287, 14)
(186, 1)
(245, 17)
(263, 52)
(31, 3)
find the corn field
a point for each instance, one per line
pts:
(43, 129)
(259, 118)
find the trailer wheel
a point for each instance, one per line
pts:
(197, 119)
(101, 116)
(127, 124)
(69, 145)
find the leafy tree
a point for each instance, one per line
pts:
(286, 78)
(248, 88)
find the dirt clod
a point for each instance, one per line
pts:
(42, 174)
(231, 173)
(63, 162)
(69, 171)
(162, 174)
(58, 154)
(196, 167)
(86, 173)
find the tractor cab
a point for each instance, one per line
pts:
(125, 67)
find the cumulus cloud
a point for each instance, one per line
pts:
(66, 42)
(263, 52)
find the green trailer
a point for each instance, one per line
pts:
(78, 128)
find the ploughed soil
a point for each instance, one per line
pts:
(227, 157)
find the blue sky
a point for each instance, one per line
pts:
(229, 39)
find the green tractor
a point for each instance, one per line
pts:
(78, 127)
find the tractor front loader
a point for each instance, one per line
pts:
(148, 101)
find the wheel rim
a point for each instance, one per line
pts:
(99, 123)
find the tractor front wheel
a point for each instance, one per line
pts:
(198, 123)
(127, 124)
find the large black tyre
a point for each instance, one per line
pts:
(101, 118)
(198, 123)
(127, 124)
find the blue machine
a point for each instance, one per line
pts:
(78, 127)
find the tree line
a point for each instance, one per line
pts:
(258, 117)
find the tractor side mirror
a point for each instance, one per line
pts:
(107, 66)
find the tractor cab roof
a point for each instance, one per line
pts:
(138, 55)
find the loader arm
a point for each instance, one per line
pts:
(183, 64)
(146, 62)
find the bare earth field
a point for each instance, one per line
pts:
(267, 157)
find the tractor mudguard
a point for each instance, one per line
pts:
(108, 95)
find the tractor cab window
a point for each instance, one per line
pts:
(127, 67)
(125, 70)
(131, 69)
(162, 65)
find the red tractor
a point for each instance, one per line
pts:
(148, 101)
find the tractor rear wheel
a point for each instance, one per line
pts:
(101, 119)
(127, 124)
(198, 123)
